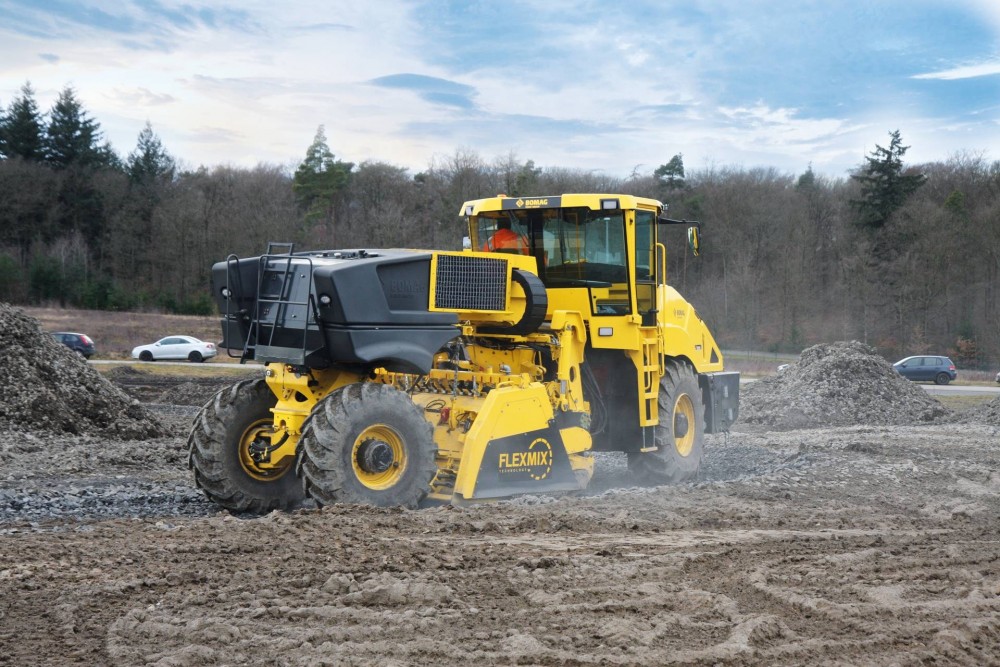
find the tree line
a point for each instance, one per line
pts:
(903, 256)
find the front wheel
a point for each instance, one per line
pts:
(367, 443)
(145, 355)
(680, 434)
(223, 451)
(942, 378)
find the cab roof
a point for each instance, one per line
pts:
(595, 202)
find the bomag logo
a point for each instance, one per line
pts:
(403, 288)
(536, 462)
(530, 203)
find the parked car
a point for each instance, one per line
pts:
(175, 347)
(80, 343)
(939, 370)
(998, 378)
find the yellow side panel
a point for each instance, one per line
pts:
(506, 411)
(685, 334)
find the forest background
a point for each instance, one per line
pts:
(905, 257)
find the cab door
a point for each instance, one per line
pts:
(648, 360)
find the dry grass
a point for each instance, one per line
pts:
(115, 334)
(960, 403)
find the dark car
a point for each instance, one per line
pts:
(78, 342)
(939, 370)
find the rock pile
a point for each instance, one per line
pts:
(987, 413)
(838, 384)
(48, 387)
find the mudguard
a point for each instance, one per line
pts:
(514, 447)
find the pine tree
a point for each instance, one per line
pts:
(671, 174)
(21, 127)
(885, 186)
(807, 180)
(149, 162)
(319, 179)
(73, 137)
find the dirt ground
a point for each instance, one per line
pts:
(840, 545)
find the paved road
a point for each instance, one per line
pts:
(961, 390)
(204, 364)
(947, 389)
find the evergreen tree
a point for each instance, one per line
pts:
(21, 127)
(885, 186)
(807, 181)
(527, 179)
(149, 162)
(319, 179)
(671, 174)
(73, 137)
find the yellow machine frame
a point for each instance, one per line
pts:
(502, 389)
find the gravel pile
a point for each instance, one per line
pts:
(988, 413)
(49, 387)
(838, 384)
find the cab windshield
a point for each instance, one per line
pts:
(575, 247)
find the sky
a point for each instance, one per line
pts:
(613, 87)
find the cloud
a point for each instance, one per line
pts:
(49, 57)
(430, 88)
(215, 135)
(323, 27)
(143, 24)
(990, 68)
(779, 128)
(239, 88)
(141, 97)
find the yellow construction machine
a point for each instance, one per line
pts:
(398, 377)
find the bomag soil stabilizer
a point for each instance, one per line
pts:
(399, 376)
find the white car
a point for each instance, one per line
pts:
(175, 347)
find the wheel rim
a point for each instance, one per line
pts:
(683, 425)
(260, 429)
(378, 457)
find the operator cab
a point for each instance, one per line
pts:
(579, 244)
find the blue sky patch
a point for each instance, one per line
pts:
(584, 84)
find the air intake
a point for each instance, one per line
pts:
(470, 283)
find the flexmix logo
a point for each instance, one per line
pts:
(536, 461)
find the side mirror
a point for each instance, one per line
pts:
(694, 240)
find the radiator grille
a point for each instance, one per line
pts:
(470, 283)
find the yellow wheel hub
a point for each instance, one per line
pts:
(258, 434)
(684, 424)
(378, 457)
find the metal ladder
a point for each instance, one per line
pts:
(285, 266)
(649, 388)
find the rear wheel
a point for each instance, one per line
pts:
(679, 435)
(223, 454)
(367, 443)
(145, 355)
(942, 378)
(196, 357)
